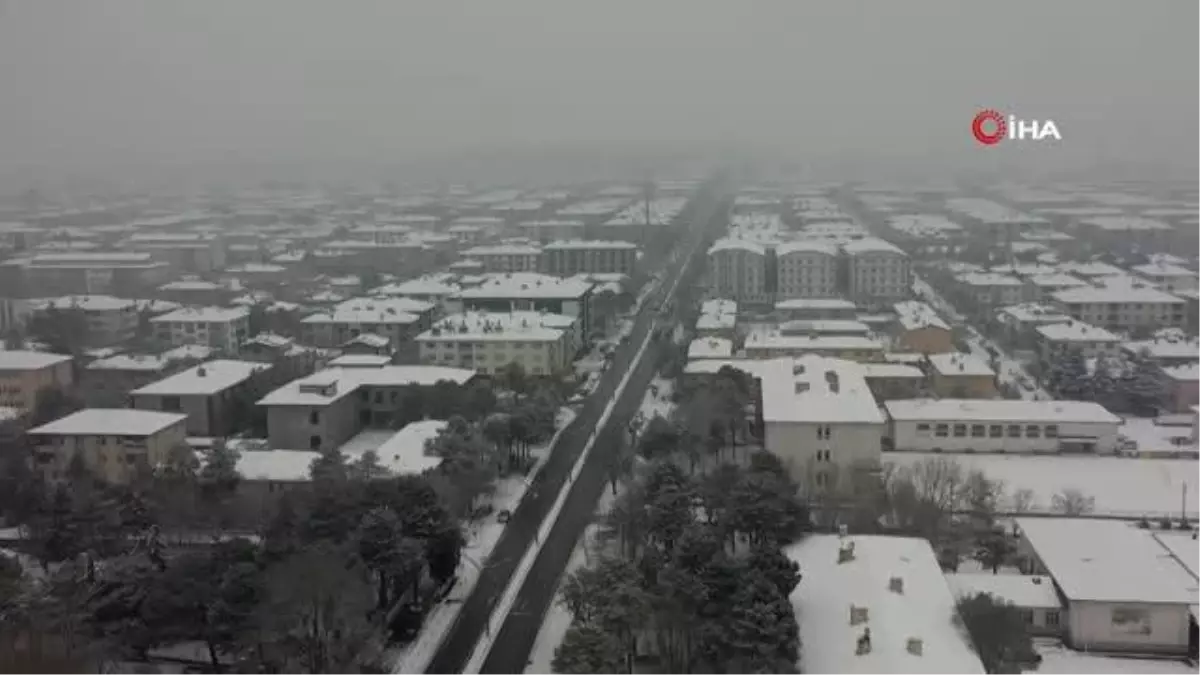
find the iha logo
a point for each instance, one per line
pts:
(990, 127)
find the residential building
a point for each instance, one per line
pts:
(737, 269)
(920, 329)
(771, 344)
(1168, 277)
(1033, 595)
(879, 271)
(1169, 347)
(25, 374)
(894, 380)
(1057, 339)
(546, 231)
(718, 318)
(806, 269)
(222, 328)
(502, 258)
(399, 319)
(1129, 309)
(433, 288)
(973, 425)
(101, 272)
(110, 321)
(571, 296)
(1183, 387)
(198, 252)
(542, 344)
(106, 382)
(325, 409)
(816, 308)
(961, 375)
(196, 291)
(116, 445)
(989, 289)
(570, 257)
(213, 395)
(1039, 287)
(710, 348)
(825, 328)
(1019, 322)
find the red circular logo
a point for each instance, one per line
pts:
(989, 127)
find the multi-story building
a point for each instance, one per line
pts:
(502, 293)
(806, 269)
(878, 271)
(546, 231)
(771, 344)
(325, 409)
(1039, 287)
(959, 375)
(189, 251)
(506, 257)
(920, 329)
(106, 382)
(568, 258)
(1167, 276)
(542, 344)
(25, 374)
(115, 445)
(737, 269)
(110, 321)
(433, 288)
(1123, 309)
(1019, 322)
(798, 309)
(1057, 339)
(222, 328)
(398, 319)
(991, 289)
(210, 394)
(107, 272)
(964, 425)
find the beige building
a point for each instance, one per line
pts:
(1123, 309)
(506, 257)
(959, 375)
(570, 257)
(737, 270)
(209, 394)
(921, 330)
(806, 269)
(488, 342)
(222, 328)
(25, 374)
(114, 444)
(879, 271)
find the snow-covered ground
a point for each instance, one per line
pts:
(1121, 486)
(481, 536)
(1151, 437)
(1010, 371)
(1058, 659)
(656, 402)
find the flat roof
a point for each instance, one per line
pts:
(588, 244)
(23, 359)
(710, 348)
(404, 452)
(980, 410)
(760, 340)
(814, 303)
(1108, 295)
(348, 380)
(1108, 561)
(527, 285)
(1075, 331)
(205, 379)
(960, 364)
(203, 315)
(285, 466)
(1022, 590)
(86, 303)
(926, 610)
(360, 360)
(498, 326)
(109, 422)
(914, 315)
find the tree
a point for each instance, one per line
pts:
(314, 618)
(659, 439)
(999, 635)
(611, 598)
(218, 480)
(513, 378)
(758, 634)
(1072, 502)
(52, 403)
(367, 467)
(1068, 377)
(64, 330)
(1144, 387)
(395, 559)
(982, 496)
(329, 468)
(993, 550)
(586, 648)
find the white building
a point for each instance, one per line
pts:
(224, 328)
(1167, 276)
(990, 289)
(710, 348)
(1126, 589)
(1059, 338)
(737, 269)
(816, 308)
(806, 269)
(506, 257)
(579, 256)
(396, 318)
(1128, 309)
(542, 344)
(1034, 595)
(892, 586)
(879, 271)
(530, 292)
(967, 425)
(718, 318)
(773, 344)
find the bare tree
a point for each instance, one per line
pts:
(1072, 502)
(1023, 501)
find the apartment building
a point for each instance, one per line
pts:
(100, 272)
(737, 269)
(199, 252)
(566, 258)
(397, 319)
(1057, 339)
(115, 445)
(960, 375)
(798, 309)
(571, 296)
(502, 258)
(1131, 309)
(878, 271)
(991, 289)
(432, 288)
(106, 382)
(973, 425)
(806, 269)
(1167, 276)
(542, 344)
(222, 328)
(772, 344)
(1018, 323)
(209, 394)
(920, 329)
(324, 410)
(110, 321)
(25, 374)
(546, 231)
(1041, 286)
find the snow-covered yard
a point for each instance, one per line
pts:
(481, 536)
(656, 402)
(1158, 438)
(1058, 659)
(1121, 486)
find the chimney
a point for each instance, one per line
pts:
(801, 387)
(896, 585)
(916, 646)
(201, 372)
(857, 615)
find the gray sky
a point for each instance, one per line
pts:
(142, 83)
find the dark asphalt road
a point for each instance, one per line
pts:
(456, 648)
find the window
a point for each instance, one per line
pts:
(822, 479)
(171, 404)
(1052, 617)
(1051, 431)
(314, 442)
(314, 417)
(960, 430)
(923, 429)
(977, 431)
(378, 397)
(942, 430)
(1014, 431)
(1027, 617)
(824, 431)
(1033, 431)
(996, 431)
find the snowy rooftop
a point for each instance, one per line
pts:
(736, 244)
(790, 247)
(1075, 331)
(1108, 561)
(421, 286)
(404, 451)
(716, 321)
(1184, 548)
(817, 326)
(1091, 268)
(1058, 280)
(203, 315)
(960, 364)
(19, 359)
(814, 303)
(87, 303)
(528, 285)
(1030, 312)
(371, 340)
(390, 310)
(967, 410)
(287, 466)
(914, 315)
(498, 326)
(361, 360)
(771, 340)
(1022, 590)
(891, 370)
(1162, 269)
(190, 285)
(813, 388)
(719, 306)
(501, 249)
(871, 245)
(710, 348)
(110, 422)
(1116, 295)
(1122, 223)
(925, 610)
(205, 379)
(1173, 347)
(329, 385)
(988, 279)
(588, 245)
(1184, 373)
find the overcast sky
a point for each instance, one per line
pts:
(142, 83)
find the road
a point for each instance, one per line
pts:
(459, 644)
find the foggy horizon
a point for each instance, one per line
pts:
(137, 88)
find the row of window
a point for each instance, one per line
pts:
(947, 430)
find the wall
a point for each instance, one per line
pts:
(288, 426)
(905, 437)
(1090, 626)
(927, 340)
(796, 443)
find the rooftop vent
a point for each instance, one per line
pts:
(916, 646)
(801, 387)
(896, 585)
(201, 371)
(846, 553)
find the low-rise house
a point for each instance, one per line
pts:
(1034, 595)
(972, 425)
(24, 375)
(961, 375)
(115, 445)
(921, 330)
(214, 395)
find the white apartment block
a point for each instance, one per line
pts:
(1167, 276)
(570, 257)
(806, 269)
(878, 271)
(114, 444)
(506, 257)
(110, 321)
(1123, 309)
(990, 289)
(488, 342)
(1057, 339)
(223, 328)
(974, 425)
(737, 270)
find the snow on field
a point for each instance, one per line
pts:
(1121, 486)
(482, 536)
(1058, 659)
(1010, 371)
(1151, 437)
(656, 402)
